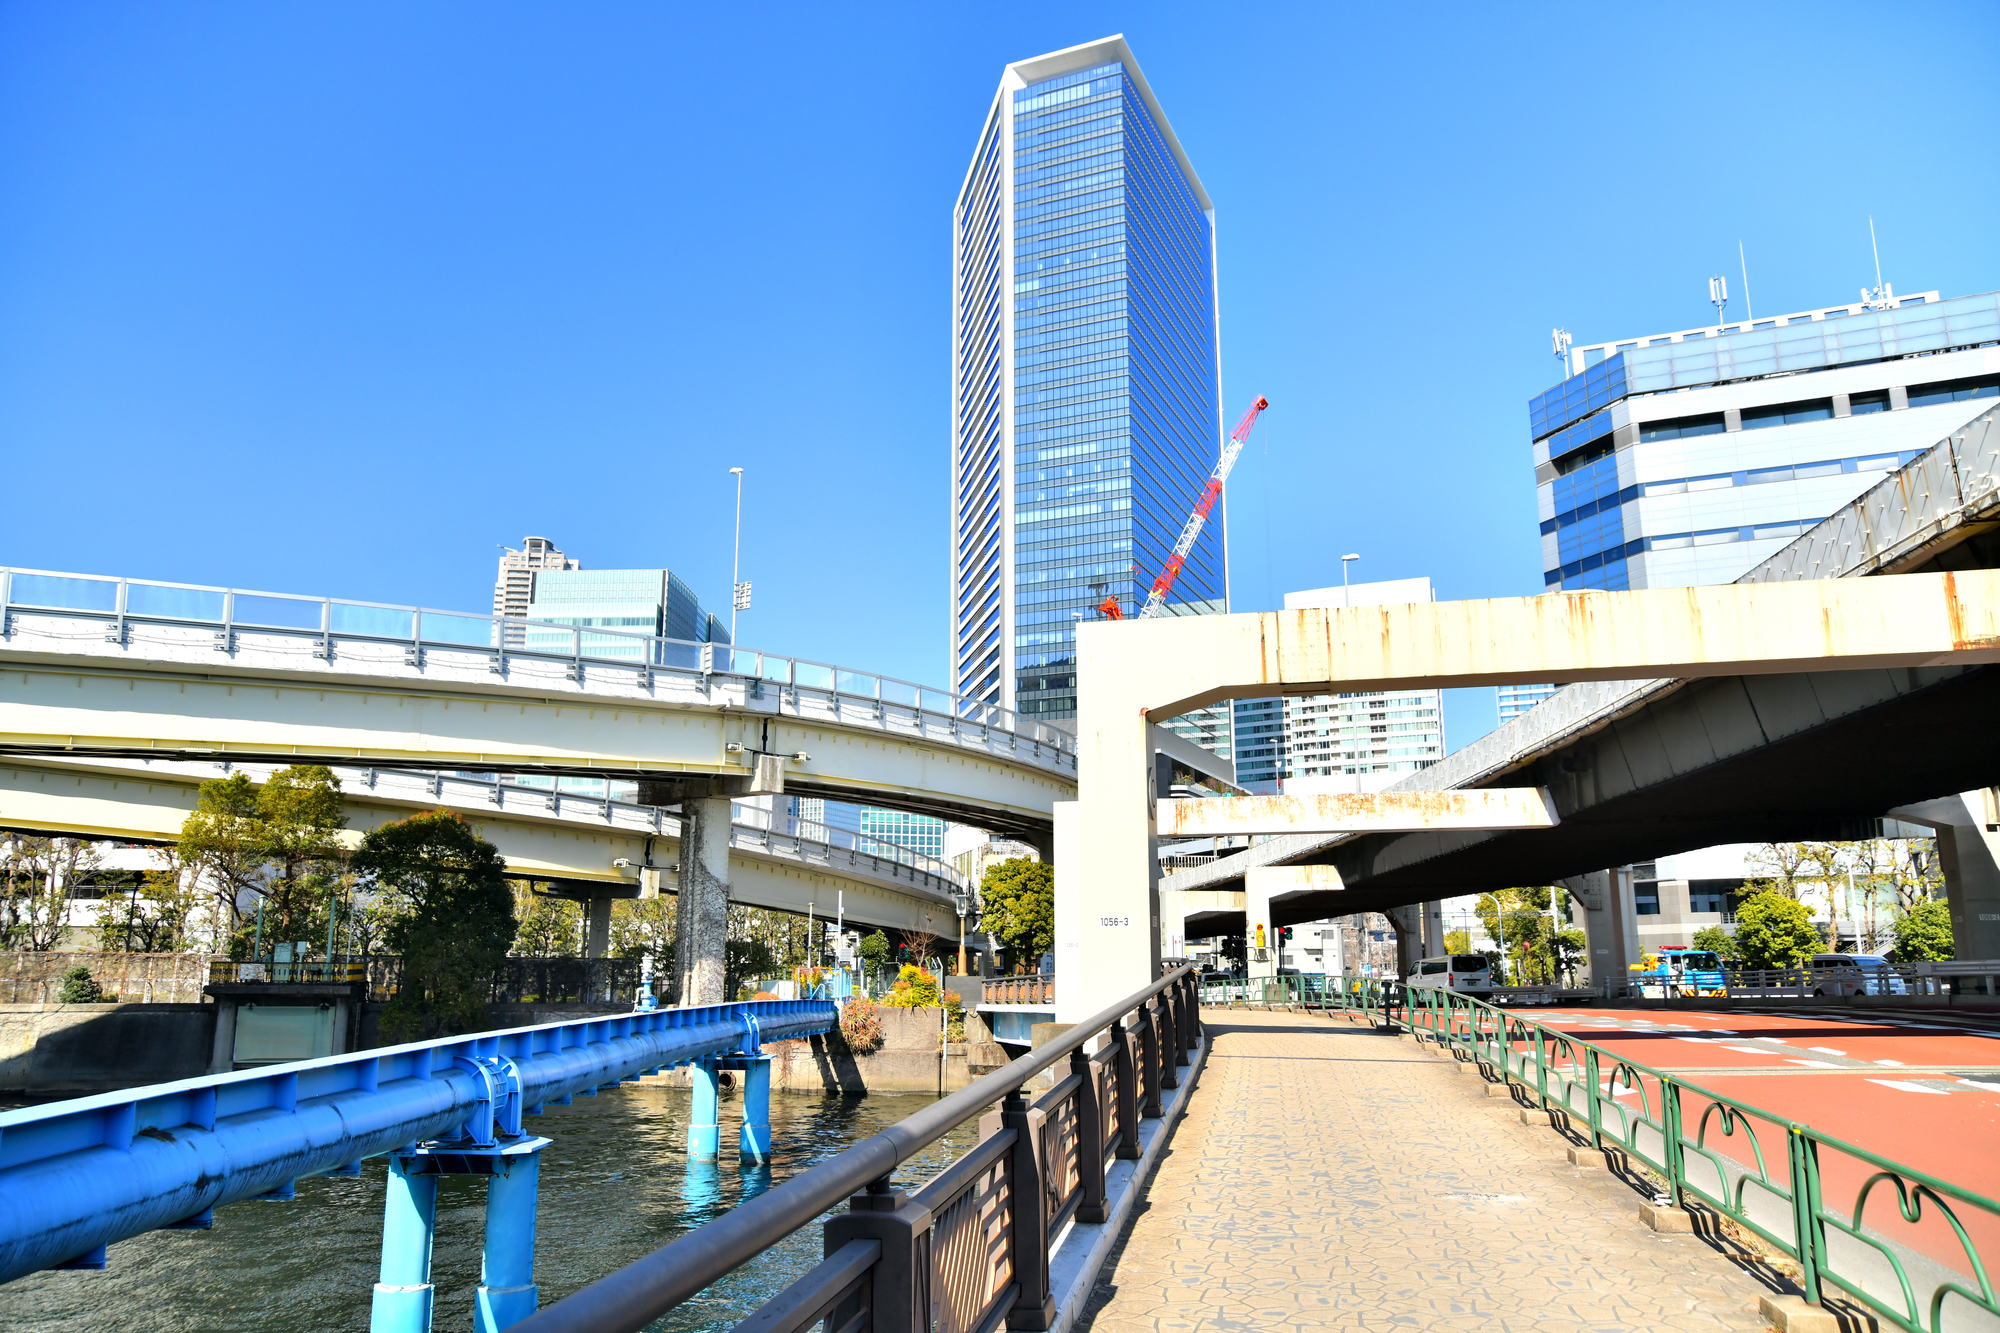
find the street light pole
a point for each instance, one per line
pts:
(1345, 561)
(736, 562)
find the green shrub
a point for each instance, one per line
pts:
(861, 1026)
(79, 987)
(1773, 930)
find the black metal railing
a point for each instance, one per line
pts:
(969, 1250)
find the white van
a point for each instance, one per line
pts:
(1855, 974)
(1466, 973)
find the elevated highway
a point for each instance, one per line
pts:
(591, 849)
(118, 668)
(1642, 768)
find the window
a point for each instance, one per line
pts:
(1787, 414)
(1954, 391)
(1861, 404)
(1586, 455)
(1681, 428)
(1646, 897)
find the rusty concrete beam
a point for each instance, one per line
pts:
(1478, 809)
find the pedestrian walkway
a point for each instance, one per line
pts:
(1329, 1176)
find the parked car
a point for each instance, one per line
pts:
(1855, 974)
(1466, 973)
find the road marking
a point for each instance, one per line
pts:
(1827, 1050)
(1702, 1041)
(1750, 1050)
(1817, 1064)
(1901, 1086)
(1896, 1064)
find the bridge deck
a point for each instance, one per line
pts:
(1329, 1176)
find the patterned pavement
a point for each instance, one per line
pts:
(1328, 1176)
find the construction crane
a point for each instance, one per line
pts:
(1210, 493)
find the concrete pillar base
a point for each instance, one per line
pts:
(1666, 1219)
(1536, 1116)
(1792, 1314)
(1583, 1156)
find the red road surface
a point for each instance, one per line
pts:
(1922, 1090)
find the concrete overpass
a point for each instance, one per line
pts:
(590, 849)
(1642, 768)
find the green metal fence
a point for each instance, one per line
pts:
(1905, 1244)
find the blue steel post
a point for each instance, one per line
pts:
(507, 1292)
(409, 1217)
(756, 1136)
(704, 1129)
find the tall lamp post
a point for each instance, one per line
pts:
(739, 591)
(1345, 561)
(962, 900)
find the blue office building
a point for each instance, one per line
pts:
(1689, 457)
(627, 601)
(1085, 380)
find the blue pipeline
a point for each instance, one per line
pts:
(78, 1175)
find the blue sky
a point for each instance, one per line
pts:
(338, 299)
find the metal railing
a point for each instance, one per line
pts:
(968, 1251)
(339, 972)
(1017, 990)
(325, 623)
(1907, 1245)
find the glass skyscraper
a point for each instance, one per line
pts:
(629, 601)
(1085, 379)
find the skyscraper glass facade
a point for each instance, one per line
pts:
(1085, 398)
(629, 601)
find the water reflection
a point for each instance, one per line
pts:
(616, 1184)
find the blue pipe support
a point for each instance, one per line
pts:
(78, 1175)
(704, 1116)
(507, 1292)
(403, 1292)
(756, 1136)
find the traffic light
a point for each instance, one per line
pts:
(1284, 936)
(1260, 934)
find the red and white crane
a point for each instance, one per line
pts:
(1210, 493)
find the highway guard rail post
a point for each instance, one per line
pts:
(1907, 1245)
(969, 1250)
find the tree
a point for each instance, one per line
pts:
(42, 877)
(153, 914)
(875, 950)
(550, 927)
(1017, 903)
(644, 928)
(453, 918)
(1786, 865)
(1923, 934)
(1718, 942)
(1458, 941)
(298, 823)
(222, 845)
(1774, 929)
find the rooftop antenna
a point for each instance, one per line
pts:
(1748, 304)
(1559, 342)
(1718, 296)
(1883, 294)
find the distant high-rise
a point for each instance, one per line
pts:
(1359, 735)
(1518, 699)
(1085, 377)
(516, 584)
(630, 601)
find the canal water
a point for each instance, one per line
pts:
(616, 1185)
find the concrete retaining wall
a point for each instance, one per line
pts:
(73, 1049)
(906, 1062)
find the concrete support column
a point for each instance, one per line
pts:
(507, 1292)
(596, 927)
(1601, 902)
(1434, 945)
(1257, 928)
(222, 1055)
(755, 1139)
(403, 1292)
(1969, 856)
(704, 1116)
(1408, 922)
(701, 917)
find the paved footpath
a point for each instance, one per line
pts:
(1328, 1176)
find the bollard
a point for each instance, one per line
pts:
(403, 1293)
(755, 1139)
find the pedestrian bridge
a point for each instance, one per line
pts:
(110, 667)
